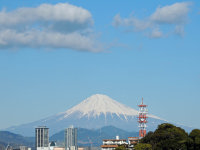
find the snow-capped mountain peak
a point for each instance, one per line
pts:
(94, 112)
(98, 104)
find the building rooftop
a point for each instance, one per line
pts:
(133, 137)
(41, 127)
(109, 146)
(114, 140)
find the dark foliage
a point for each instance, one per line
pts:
(194, 139)
(167, 137)
(143, 146)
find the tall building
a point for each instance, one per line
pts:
(42, 138)
(71, 138)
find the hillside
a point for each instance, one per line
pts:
(15, 139)
(87, 137)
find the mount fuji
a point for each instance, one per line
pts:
(94, 112)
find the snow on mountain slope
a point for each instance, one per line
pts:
(94, 112)
(99, 104)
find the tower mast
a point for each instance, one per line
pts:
(142, 119)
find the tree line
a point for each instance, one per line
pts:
(170, 137)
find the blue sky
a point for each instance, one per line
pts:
(54, 54)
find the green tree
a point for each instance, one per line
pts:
(121, 147)
(149, 138)
(142, 146)
(166, 137)
(195, 139)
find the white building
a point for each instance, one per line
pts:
(52, 145)
(71, 138)
(21, 148)
(108, 147)
(24, 148)
(132, 141)
(42, 138)
(111, 144)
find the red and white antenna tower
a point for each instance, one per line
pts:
(142, 119)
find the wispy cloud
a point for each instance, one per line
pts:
(138, 25)
(156, 33)
(52, 26)
(179, 30)
(175, 15)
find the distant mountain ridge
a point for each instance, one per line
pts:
(94, 112)
(13, 139)
(85, 137)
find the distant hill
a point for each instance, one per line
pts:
(15, 139)
(87, 137)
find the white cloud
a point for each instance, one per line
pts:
(172, 14)
(156, 33)
(51, 26)
(74, 40)
(131, 22)
(179, 30)
(175, 14)
(61, 12)
(117, 21)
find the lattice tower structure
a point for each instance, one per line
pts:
(142, 119)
